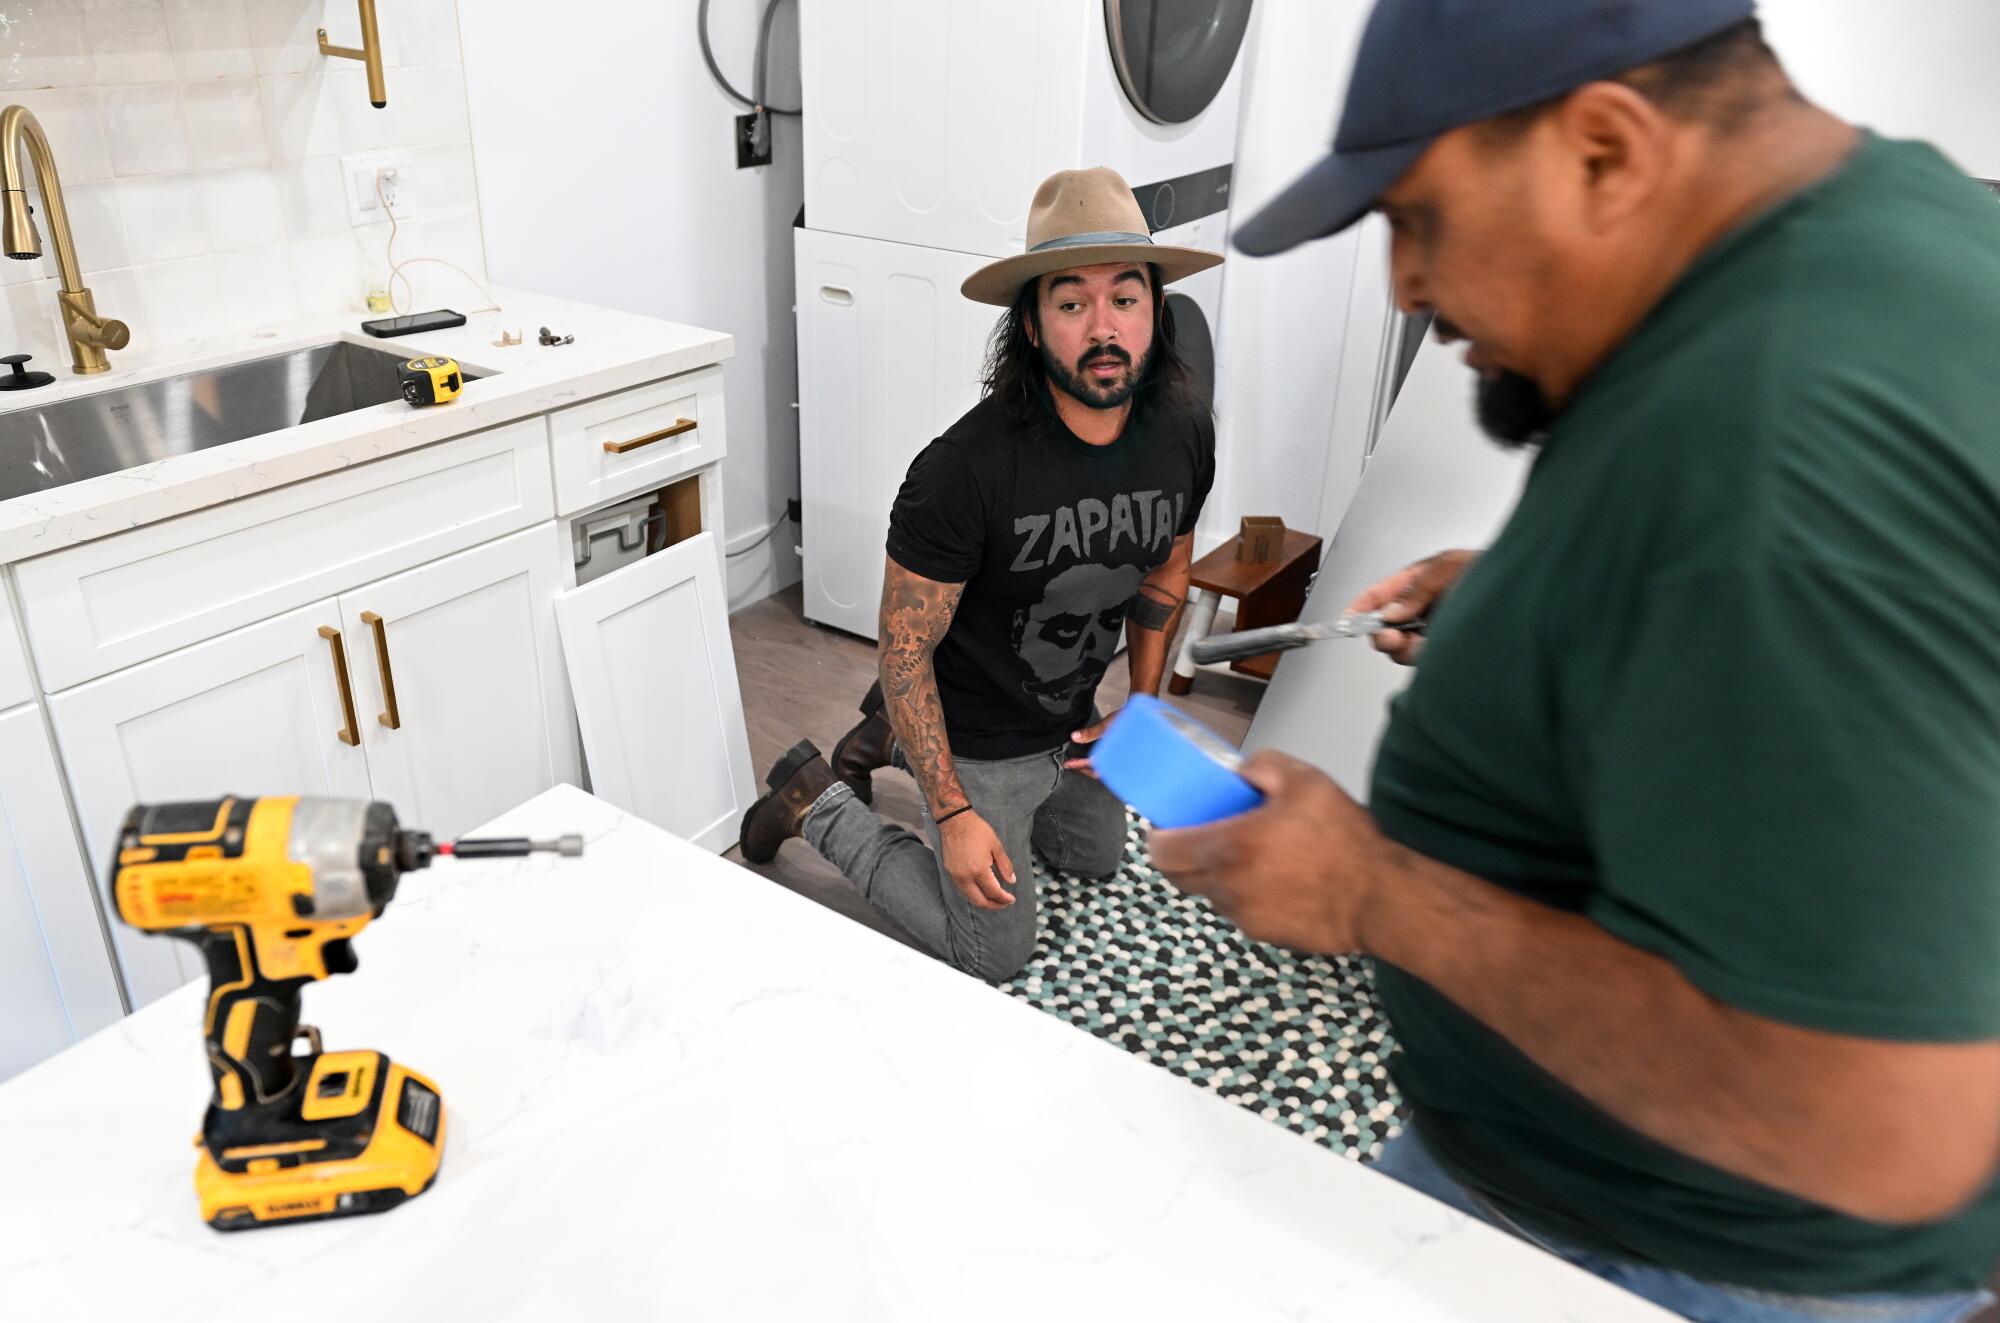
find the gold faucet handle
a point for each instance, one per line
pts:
(86, 326)
(110, 333)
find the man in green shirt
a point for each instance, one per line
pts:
(1682, 863)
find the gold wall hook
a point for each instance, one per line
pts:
(370, 53)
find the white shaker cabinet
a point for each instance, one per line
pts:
(56, 980)
(259, 711)
(654, 677)
(480, 718)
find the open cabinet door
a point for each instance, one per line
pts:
(654, 678)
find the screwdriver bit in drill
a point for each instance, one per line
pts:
(511, 847)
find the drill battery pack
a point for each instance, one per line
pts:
(362, 1135)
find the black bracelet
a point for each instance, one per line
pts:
(939, 822)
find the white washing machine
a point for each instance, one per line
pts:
(932, 121)
(890, 355)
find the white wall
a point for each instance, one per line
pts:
(607, 173)
(1913, 69)
(1285, 446)
(198, 145)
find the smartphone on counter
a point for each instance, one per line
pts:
(411, 323)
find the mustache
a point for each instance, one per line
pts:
(1446, 329)
(1103, 354)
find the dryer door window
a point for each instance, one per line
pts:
(1196, 343)
(1174, 55)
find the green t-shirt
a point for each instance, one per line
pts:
(1728, 684)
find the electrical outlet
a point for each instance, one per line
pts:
(753, 141)
(358, 174)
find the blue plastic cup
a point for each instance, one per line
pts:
(1174, 770)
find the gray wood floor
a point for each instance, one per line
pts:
(802, 681)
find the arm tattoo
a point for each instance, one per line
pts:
(916, 612)
(1153, 608)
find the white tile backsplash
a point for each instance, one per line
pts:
(327, 273)
(199, 143)
(426, 33)
(97, 221)
(211, 38)
(283, 33)
(242, 210)
(74, 123)
(179, 300)
(225, 123)
(441, 181)
(311, 196)
(164, 218)
(45, 46)
(16, 272)
(428, 105)
(129, 39)
(27, 324)
(145, 129)
(257, 286)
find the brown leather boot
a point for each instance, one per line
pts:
(866, 747)
(796, 780)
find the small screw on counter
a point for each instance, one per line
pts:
(431, 380)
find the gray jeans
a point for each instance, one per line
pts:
(1032, 803)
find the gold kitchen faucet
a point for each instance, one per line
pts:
(89, 334)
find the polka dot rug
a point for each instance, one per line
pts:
(1298, 1039)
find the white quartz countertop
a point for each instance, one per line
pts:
(612, 351)
(675, 1090)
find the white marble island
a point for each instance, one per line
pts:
(677, 1091)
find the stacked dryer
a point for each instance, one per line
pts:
(928, 124)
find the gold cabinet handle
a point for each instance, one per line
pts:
(680, 425)
(390, 718)
(351, 733)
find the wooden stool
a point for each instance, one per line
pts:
(1272, 593)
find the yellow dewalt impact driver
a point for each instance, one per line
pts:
(273, 891)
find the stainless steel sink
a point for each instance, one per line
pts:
(66, 441)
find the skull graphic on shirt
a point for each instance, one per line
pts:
(1068, 637)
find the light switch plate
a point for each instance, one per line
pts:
(357, 173)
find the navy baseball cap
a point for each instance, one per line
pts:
(1428, 66)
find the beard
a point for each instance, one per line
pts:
(1512, 409)
(1087, 390)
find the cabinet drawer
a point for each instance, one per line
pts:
(95, 608)
(637, 439)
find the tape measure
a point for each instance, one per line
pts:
(430, 380)
(1174, 770)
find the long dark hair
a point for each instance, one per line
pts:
(1018, 382)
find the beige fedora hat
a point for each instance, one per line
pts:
(1081, 218)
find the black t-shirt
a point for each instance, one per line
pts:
(1051, 537)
